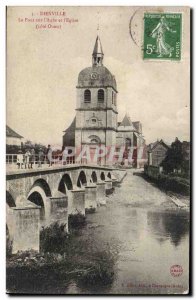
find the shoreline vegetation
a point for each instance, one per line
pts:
(170, 182)
(64, 258)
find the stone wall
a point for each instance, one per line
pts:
(152, 171)
(25, 229)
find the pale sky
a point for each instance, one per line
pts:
(43, 66)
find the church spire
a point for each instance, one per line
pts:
(97, 53)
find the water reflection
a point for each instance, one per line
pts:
(170, 225)
(148, 238)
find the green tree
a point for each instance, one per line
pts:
(174, 158)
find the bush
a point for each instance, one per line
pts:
(76, 221)
(8, 244)
(176, 184)
(63, 259)
(100, 271)
(90, 210)
(53, 239)
(170, 182)
(30, 272)
(109, 192)
(181, 175)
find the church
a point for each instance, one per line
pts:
(96, 121)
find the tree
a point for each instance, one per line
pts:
(174, 158)
(36, 146)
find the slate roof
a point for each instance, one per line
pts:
(137, 125)
(153, 145)
(103, 78)
(11, 133)
(69, 136)
(98, 47)
(126, 121)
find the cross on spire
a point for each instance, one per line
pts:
(98, 22)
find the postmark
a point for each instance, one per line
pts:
(162, 36)
(176, 270)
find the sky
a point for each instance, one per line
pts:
(43, 66)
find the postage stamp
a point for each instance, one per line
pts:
(162, 36)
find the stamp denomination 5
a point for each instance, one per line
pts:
(162, 36)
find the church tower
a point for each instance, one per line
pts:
(96, 109)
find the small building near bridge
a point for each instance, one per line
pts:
(13, 138)
(157, 152)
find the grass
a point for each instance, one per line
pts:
(63, 258)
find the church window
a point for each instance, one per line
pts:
(87, 96)
(128, 142)
(112, 97)
(93, 120)
(100, 96)
(115, 99)
(94, 141)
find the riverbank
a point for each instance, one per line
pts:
(64, 258)
(136, 234)
(175, 183)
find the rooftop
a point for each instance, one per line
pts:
(11, 133)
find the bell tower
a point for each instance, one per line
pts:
(96, 110)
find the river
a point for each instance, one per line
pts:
(148, 234)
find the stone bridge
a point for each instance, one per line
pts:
(46, 195)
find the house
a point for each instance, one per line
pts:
(157, 152)
(12, 137)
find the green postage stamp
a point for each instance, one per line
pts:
(162, 36)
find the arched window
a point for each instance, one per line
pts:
(93, 121)
(128, 142)
(100, 96)
(93, 139)
(87, 96)
(115, 99)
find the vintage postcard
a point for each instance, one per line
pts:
(98, 150)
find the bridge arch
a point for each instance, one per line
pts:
(7, 234)
(102, 176)
(39, 194)
(10, 200)
(10, 203)
(38, 197)
(65, 184)
(42, 183)
(94, 176)
(82, 180)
